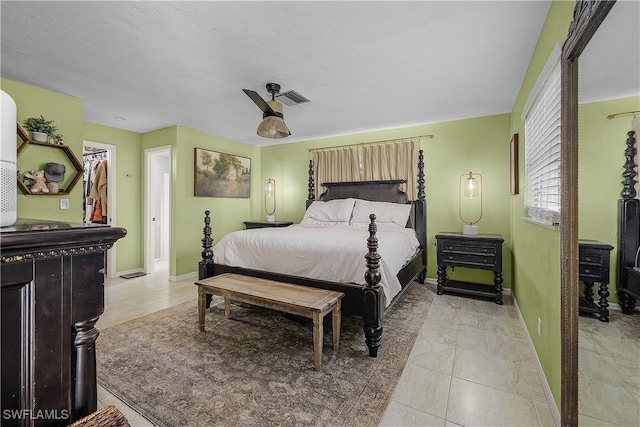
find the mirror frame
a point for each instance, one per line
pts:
(587, 17)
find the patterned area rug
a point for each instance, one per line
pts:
(255, 369)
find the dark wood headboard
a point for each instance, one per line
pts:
(380, 191)
(375, 191)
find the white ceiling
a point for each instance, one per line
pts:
(364, 65)
(609, 67)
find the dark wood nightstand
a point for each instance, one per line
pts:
(593, 266)
(264, 224)
(481, 251)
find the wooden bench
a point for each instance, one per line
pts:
(294, 299)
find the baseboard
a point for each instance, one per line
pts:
(193, 276)
(432, 281)
(613, 306)
(555, 412)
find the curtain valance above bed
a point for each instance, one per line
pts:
(376, 162)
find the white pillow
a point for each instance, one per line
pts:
(333, 212)
(386, 213)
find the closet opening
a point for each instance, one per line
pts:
(98, 195)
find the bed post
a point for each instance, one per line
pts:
(421, 217)
(311, 195)
(372, 309)
(205, 266)
(628, 225)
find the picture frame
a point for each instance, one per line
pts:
(513, 170)
(217, 174)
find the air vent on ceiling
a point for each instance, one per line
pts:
(291, 97)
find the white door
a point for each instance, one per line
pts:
(157, 207)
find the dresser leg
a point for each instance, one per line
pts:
(604, 303)
(442, 277)
(85, 387)
(497, 279)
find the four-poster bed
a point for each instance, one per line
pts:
(365, 297)
(628, 277)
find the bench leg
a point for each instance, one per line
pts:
(201, 307)
(227, 307)
(336, 326)
(317, 339)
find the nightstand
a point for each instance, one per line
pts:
(480, 251)
(264, 224)
(593, 267)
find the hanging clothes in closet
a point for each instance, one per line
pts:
(95, 187)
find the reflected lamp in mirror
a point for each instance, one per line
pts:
(470, 201)
(270, 199)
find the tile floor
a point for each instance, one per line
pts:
(609, 371)
(470, 366)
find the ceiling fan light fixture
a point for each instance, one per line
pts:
(273, 127)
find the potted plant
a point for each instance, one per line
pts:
(40, 128)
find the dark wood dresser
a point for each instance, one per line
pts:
(481, 251)
(52, 296)
(593, 267)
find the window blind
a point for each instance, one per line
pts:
(542, 151)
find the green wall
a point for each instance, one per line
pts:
(66, 112)
(536, 250)
(600, 158)
(480, 145)
(128, 191)
(227, 214)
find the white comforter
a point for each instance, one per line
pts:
(333, 253)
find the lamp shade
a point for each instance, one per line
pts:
(471, 186)
(273, 126)
(270, 199)
(470, 201)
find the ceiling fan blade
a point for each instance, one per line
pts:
(261, 103)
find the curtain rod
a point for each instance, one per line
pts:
(373, 142)
(626, 113)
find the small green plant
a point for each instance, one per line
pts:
(40, 124)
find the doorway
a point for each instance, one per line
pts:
(157, 210)
(96, 155)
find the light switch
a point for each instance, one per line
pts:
(64, 203)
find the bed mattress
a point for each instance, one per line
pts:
(333, 253)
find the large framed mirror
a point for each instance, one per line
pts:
(589, 16)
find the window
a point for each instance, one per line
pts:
(542, 145)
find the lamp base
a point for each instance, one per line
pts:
(470, 229)
(271, 218)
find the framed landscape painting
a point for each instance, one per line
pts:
(221, 175)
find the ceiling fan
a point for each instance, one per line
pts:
(272, 125)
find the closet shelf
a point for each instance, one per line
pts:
(26, 142)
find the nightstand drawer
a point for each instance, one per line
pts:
(590, 272)
(448, 247)
(266, 224)
(469, 251)
(591, 258)
(468, 259)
